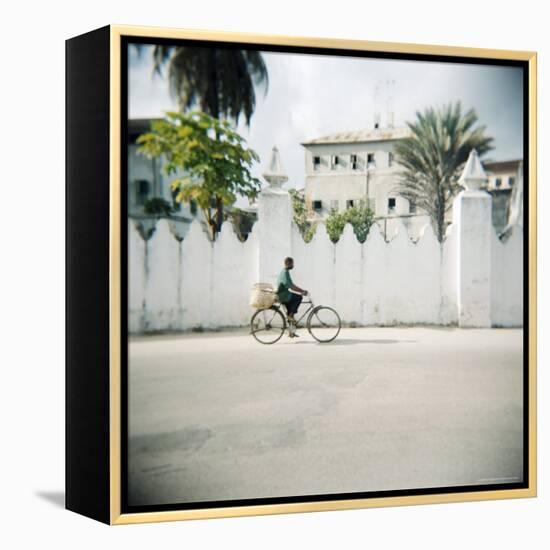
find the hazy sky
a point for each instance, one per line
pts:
(310, 96)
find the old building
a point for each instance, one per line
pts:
(502, 180)
(345, 168)
(147, 180)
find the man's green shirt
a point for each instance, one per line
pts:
(284, 282)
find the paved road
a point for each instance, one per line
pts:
(217, 416)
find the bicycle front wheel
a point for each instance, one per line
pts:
(324, 324)
(267, 325)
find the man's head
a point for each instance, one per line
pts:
(289, 263)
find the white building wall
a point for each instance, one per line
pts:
(162, 280)
(136, 279)
(448, 310)
(473, 214)
(194, 283)
(196, 278)
(507, 279)
(349, 276)
(231, 279)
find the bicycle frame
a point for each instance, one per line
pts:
(307, 312)
(276, 310)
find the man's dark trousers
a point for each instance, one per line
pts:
(293, 304)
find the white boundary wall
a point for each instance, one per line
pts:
(193, 283)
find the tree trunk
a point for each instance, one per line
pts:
(210, 223)
(219, 214)
(440, 216)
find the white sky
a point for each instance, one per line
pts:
(310, 96)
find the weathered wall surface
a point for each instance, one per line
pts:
(507, 279)
(472, 279)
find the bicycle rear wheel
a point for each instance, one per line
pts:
(324, 324)
(267, 325)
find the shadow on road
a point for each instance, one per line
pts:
(351, 341)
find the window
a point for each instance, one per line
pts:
(353, 161)
(391, 205)
(349, 204)
(370, 160)
(334, 205)
(193, 207)
(511, 181)
(142, 191)
(412, 207)
(316, 163)
(390, 159)
(317, 206)
(498, 182)
(334, 161)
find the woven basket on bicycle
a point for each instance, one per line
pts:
(262, 296)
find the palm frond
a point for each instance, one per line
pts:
(434, 155)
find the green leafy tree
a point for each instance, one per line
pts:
(209, 159)
(361, 218)
(305, 226)
(221, 82)
(434, 156)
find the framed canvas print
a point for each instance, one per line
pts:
(300, 274)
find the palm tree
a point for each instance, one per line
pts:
(220, 81)
(433, 157)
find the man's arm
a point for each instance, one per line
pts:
(297, 289)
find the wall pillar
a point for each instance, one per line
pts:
(274, 225)
(274, 222)
(472, 213)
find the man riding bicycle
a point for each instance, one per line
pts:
(291, 300)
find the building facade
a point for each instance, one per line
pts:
(345, 168)
(147, 180)
(503, 179)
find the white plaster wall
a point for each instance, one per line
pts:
(302, 253)
(314, 266)
(373, 280)
(413, 225)
(196, 273)
(163, 280)
(425, 278)
(410, 272)
(194, 283)
(136, 279)
(349, 277)
(448, 313)
(472, 212)
(230, 280)
(274, 232)
(507, 279)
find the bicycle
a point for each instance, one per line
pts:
(267, 325)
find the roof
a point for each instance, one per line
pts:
(359, 136)
(502, 166)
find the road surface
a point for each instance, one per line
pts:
(217, 416)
